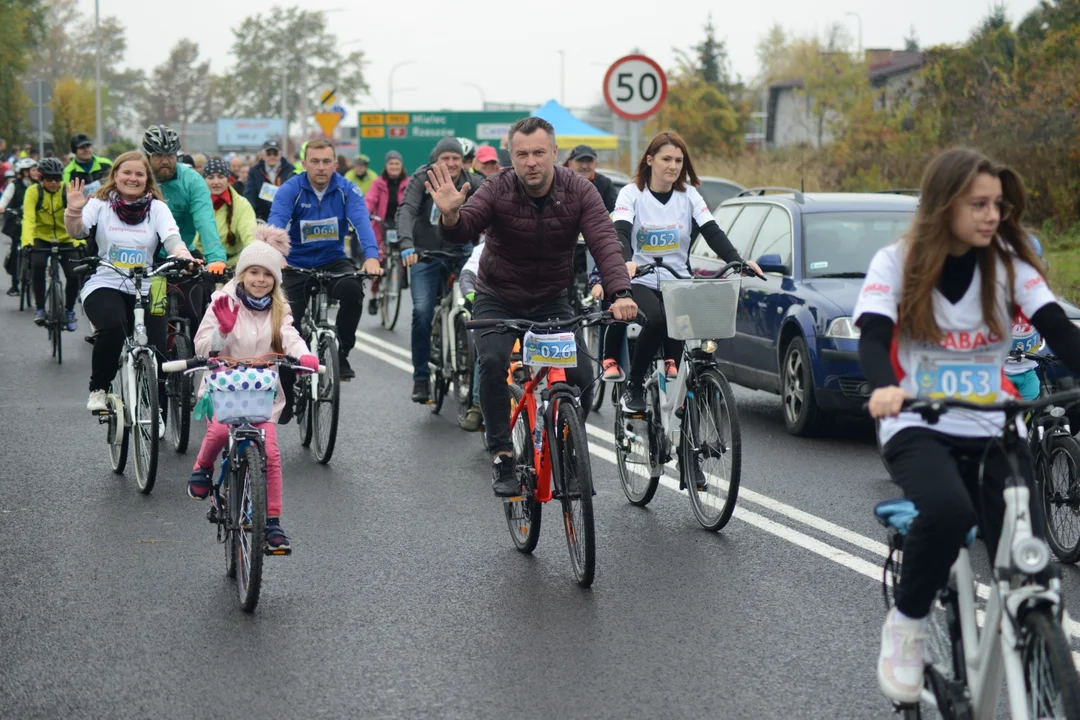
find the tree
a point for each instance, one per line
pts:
(73, 110)
(712, 59)
(179, 90)
(294, 43)
(911, 40)
(23, 23)
(772, 58)
(701, 113)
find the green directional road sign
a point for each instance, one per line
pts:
(415, 134)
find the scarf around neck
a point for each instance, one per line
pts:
(224, 198)
(255, 304)
(131, 212)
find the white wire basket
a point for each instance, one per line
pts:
(701, 309)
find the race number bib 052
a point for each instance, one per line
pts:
(973, 379)
(658, 240)
(268, 191)
(127, 258)
(553, 350)
(319, 230)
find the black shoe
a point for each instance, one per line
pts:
(504, 479)
(346, 372)
(373, 306)
(286, 414)
(420, 392)
(696, 474)
(13, 292)
(633, 398)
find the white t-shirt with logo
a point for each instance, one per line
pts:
(968, 363)
(126, 246)
(661, 231)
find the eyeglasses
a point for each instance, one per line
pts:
(980, 208)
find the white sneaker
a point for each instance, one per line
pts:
(902, 659)
(161, 426)
(97, 402)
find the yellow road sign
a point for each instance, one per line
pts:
(327, 96)
(372, 132)
(397, 118)
(372, 119)
(328, 121)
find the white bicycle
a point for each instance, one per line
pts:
(1021, 640)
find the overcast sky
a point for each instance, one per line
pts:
(509, 48)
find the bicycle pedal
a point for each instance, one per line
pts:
(519, 498)
(279, 552)
(211, 514)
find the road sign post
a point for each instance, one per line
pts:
(635, 88)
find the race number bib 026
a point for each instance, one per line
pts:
(319, 230)
(973, 379)
(658, 240)
(127, 258)
(553, 350)
(268, 191)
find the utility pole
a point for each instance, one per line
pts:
(562, 77)
(99, 123)
(859, 18)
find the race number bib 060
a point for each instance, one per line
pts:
(268, 191)
(553, 350)
(127, 258)
(319, 230)
(658, 240)
(973, 379)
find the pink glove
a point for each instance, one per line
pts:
(226, 313)
(310, 362)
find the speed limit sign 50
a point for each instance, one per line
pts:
(635, 87)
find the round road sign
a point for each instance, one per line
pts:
(635, 87)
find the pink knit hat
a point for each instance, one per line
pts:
(269, 251)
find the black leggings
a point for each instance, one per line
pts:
(940, 474)
(112, 313)
(653, 335)
(69, 259)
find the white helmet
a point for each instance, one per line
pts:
(26, 164)
(468, 147)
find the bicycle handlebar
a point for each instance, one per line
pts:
(932, 410)
(739, 266)
(198, 362)
(323, 276)
(91, 263)
(522, 325)
(427, 255)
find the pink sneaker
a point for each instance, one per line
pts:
(903, 658)
(670, 369)
(612, 371)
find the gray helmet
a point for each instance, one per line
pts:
(468, 147)
(51, 167)
(160, 140)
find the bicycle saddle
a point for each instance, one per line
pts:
(899, 513)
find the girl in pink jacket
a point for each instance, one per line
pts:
(250, 317)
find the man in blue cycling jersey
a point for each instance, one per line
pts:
(317, 207)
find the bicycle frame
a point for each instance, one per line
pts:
(240, 436)
(451, 306)
(543, 457)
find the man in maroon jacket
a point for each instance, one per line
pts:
(533, 214)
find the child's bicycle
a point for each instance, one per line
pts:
(242, 392)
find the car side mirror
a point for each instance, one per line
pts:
(771, 262)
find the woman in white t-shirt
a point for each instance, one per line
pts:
(132, 220)
(930, 328)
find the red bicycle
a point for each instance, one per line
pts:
(550, 449)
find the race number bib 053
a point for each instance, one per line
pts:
(973, 379)
(268, 191)
(127, 258)
(658, 240)
(553, 350)
(319, 230)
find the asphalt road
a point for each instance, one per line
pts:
(404, 596)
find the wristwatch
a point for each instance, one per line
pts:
(622, 294)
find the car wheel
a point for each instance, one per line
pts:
(802, 416)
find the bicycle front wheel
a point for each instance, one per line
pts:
(326, 391)
(390, 293)
(146, 422)
(248, 522)
(575, 478)
(118, 445)
(303, 408)
(1059, 481)
(711, 450)
(57, 319)
(179, 390)
(637, 450)
(523, 514)
(1050, 679)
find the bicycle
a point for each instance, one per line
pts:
(238, 497)
(391, 285)
(695, 413)
(550, 448)
(55, 311)
(317, 412)
(1021, 641)
(451, 360)
(132, 399)
(26, 295)
(179, 388)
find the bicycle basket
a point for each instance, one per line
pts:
(701, 309)
(242, 395)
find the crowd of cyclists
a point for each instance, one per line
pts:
(940, 300)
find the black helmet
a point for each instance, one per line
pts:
(80, 139)
(51, 167)
(160, 140)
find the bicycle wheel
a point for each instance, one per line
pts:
(523, 515)
(302, 409)
(711, 450)
(224, 519)
(637, 450)
(57, 318)
(146, 421)
(463, 363)
(390, 293)
(25, 291)
(436, 363)
(326, 390)
(179, 390)
(1050, 679)
(575, 475)
(1058, 475)
(248, 523)
(118, 447)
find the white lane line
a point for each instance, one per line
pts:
(385, 345)
(388, 359)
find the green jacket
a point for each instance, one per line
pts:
(363, 183)
(189, 201)
(98, 171)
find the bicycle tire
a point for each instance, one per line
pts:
(711, 393)
(179, 390)
(302, 409)
(224, 521)
(639, 493)
(118, 451)
(1058, 507)
(436, 364)
(145, 431)
(523, 517)
(249, 485)
(390, 293)
(1042, 639)
(463, 363)
(24, 283)
(326, 401)
(57, 317)
(577, 492)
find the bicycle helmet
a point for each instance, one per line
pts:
(26, 164)
(160, 140)
(468, 147)
(51, 168)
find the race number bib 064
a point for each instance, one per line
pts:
(553, 350)
(319, 230)
(127, 258)
(658, 240)
(973, 379)
(268, 191)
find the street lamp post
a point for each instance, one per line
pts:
(562, 77)
(477, 88)
(859, 18)
(99, 129)
(390, 83)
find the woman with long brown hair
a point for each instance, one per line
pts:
(935, 314)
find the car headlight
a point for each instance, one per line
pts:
(843, 327)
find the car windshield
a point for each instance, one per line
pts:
(842, 244)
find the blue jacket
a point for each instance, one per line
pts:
(317, 228)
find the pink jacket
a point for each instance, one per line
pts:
(378, 200)
(251, 337)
